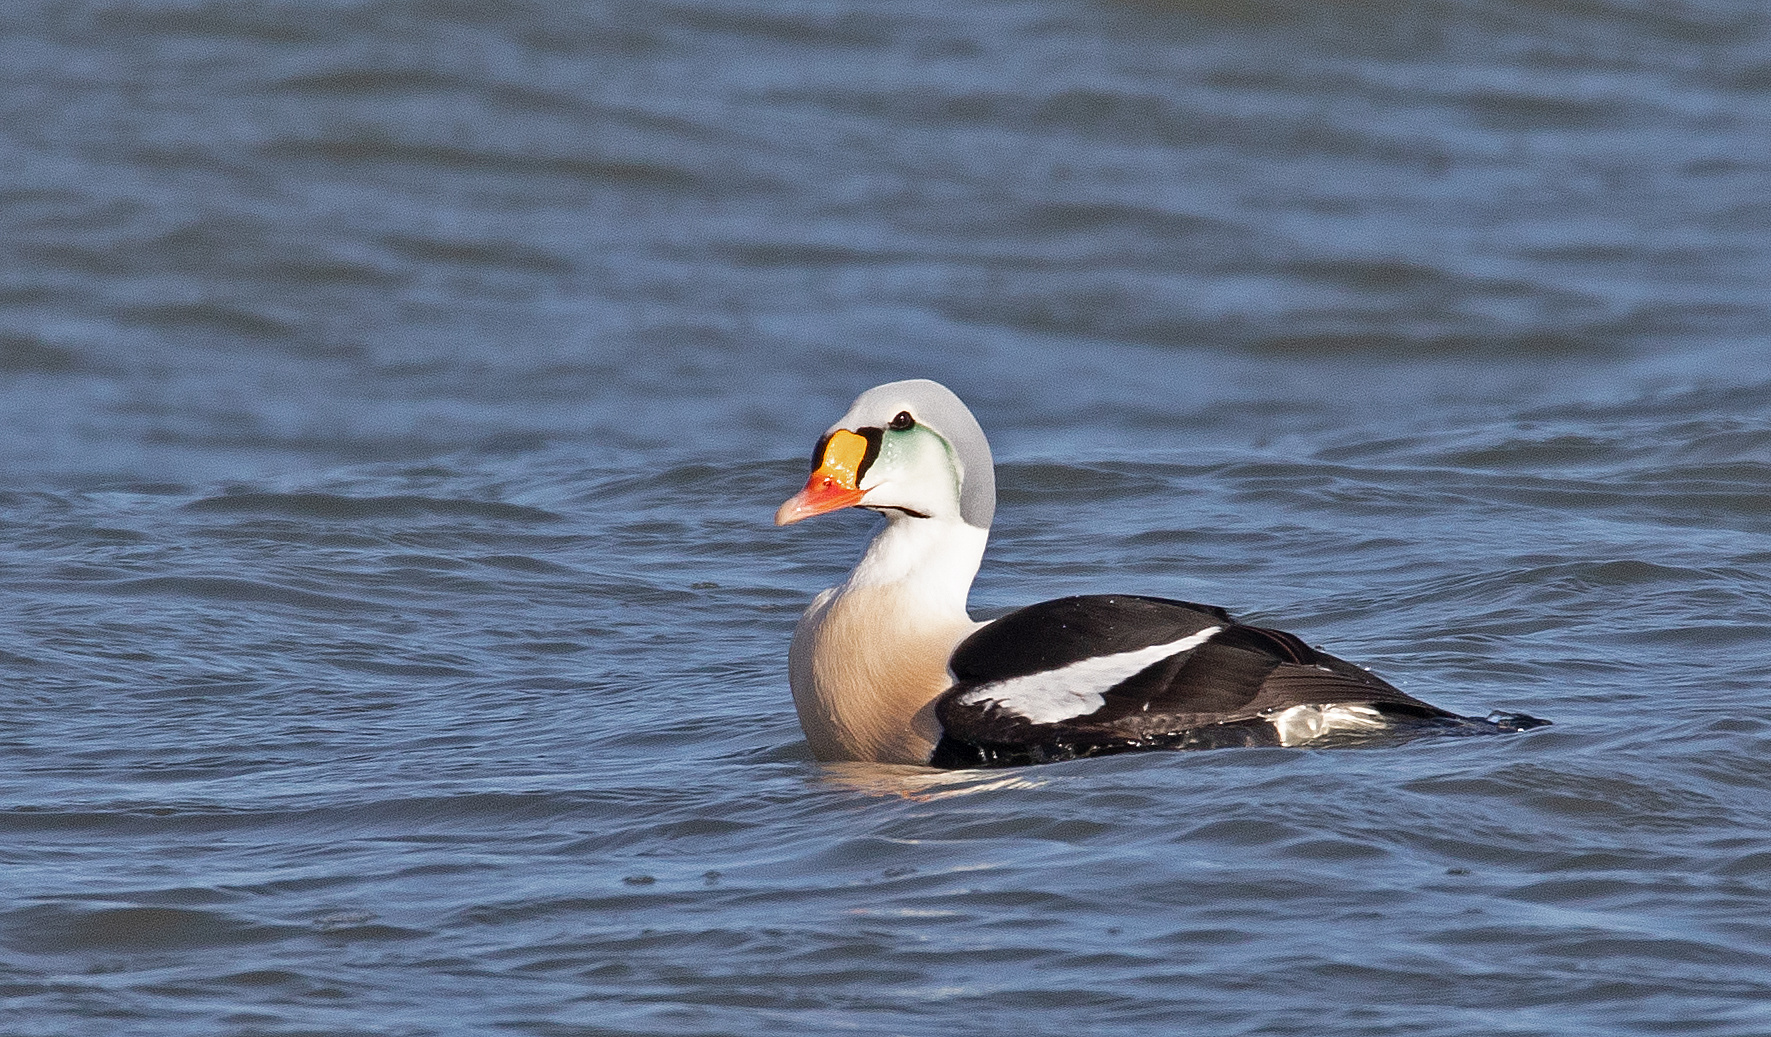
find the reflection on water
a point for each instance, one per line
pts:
(919, 784)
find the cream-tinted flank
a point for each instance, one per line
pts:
(864, 696)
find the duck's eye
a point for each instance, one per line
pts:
(902, 421)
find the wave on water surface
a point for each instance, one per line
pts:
(336, 506)
(393, 404)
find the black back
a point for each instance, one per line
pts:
(1062, 631)
(1215, 693)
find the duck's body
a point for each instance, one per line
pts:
(889, 667)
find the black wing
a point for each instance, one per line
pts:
(1085, 676)
(1057, 633)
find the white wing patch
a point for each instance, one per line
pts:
(1299, 724)
(1075, 690)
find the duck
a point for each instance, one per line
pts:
(890, 667)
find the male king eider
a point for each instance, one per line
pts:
(888, 667)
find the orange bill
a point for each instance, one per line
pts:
(833, 485)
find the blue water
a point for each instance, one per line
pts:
(394, 397)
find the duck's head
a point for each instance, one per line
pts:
(906, 449)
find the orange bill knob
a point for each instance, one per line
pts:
(834, 483)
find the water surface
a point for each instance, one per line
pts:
(394, 397)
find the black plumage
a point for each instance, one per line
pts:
(1057, 633)
(1220, 692)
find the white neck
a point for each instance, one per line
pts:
(931, 560)
(870, 656)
